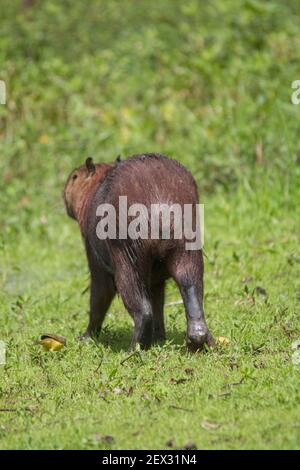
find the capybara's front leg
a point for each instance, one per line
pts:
(143, 324)
(131, 288)
(158, 298)
(102, 292)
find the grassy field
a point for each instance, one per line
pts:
(208, 83)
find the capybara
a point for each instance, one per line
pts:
(137, 269)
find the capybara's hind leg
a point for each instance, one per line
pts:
(187, 270)
(198, 333)
(102, 292)
(137, 301)
(158, 298)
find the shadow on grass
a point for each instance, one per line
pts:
(118, 339)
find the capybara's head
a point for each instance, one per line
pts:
(80, 185)
(76, 186)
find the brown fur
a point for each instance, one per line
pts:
(138, 269)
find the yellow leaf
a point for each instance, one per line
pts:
(223, 340)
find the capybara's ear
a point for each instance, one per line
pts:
(90, 166)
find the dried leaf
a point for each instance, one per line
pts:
(108, 439)
(209, 425)
(170, 443)
(190, 446)
(261, 291)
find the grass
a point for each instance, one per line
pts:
(114, 78)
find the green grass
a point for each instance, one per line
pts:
(204, 82)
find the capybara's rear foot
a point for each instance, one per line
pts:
(198, 335)
(82, 337)
(198, 346)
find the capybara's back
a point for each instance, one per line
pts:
(155, 188)
(151, 179)
(135, 224)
